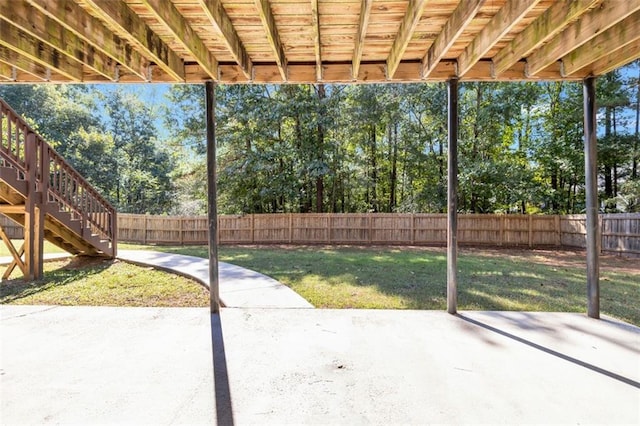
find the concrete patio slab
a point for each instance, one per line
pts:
(239, 287)
(89, 365)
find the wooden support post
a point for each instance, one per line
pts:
(214, 285)
(591, 189)
(33, 215)
(452, 198)
(530, 231)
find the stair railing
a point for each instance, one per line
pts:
(65, 189)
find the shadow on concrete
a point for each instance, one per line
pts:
(560, 355)
(221, 388)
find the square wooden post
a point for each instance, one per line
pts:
(591, 189)
(452, 198)
(34, 214)
(212, 202)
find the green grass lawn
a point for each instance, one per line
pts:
(415, 278)
(354, 277)
(102, 282)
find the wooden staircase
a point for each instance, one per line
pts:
(40, 191)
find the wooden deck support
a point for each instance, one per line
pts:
(33, 215)
(591, 189)
(214, 287)
(452, 198)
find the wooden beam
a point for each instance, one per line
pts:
(365, 12)
(500, 24)
(623, 34)
(167, 13)
(71, 16)
(269, 23)
(455, 25)
(615, 60)
(590, 25)
(218, 17)
(317, 41)
(118, 15)
(7, 72)
(547, 26)
(12, 209)
(45, 29)
(35, 50)
(405, 32)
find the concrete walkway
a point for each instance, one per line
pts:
(239, 287)
(170, 366)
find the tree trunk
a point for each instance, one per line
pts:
(394, 168)
(374, 168)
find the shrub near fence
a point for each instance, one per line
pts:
(620, 232)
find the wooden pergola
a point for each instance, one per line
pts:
(329, 41)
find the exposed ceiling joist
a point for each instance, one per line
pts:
(547, 26)
(616, 59)
(603, 44)
(72, 17)
(588, 26)
(39, 72)
(167, 13)
(455, 25)
(137, 32)
(317, 41)
(363, 23)
(26, 45)
(6, 71)
(508, 16)
(218, 17)
(45, 29)
(269, 23)
(405, 32)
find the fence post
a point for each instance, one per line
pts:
(530, 230)
(181, 219)
(413, 228)
(290, 228)
(144, 229)
(558, 230)
(328, 216)
(502, 220)
(370, 228)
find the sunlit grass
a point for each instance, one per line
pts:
(101, 282)
(415, 278)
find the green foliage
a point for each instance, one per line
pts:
(116, 151)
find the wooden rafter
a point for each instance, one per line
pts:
(500, 24)
(167, 13)
(6, 71)
(617, 59)
(45, 29)
(71, 16)
(219, 18)
(547, 26)
(405, 32)
(317, 41)
(365, 12)
(455, 25)
(137, 32)
(591, 24)
(603, 44)
(26, 45)
(269, 23)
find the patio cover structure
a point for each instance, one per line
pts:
(329, 41)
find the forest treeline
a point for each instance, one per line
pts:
(345, 148)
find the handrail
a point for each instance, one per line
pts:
(64, 185)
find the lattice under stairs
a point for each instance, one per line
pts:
(49, 199)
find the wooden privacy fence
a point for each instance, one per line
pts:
(620, 232)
